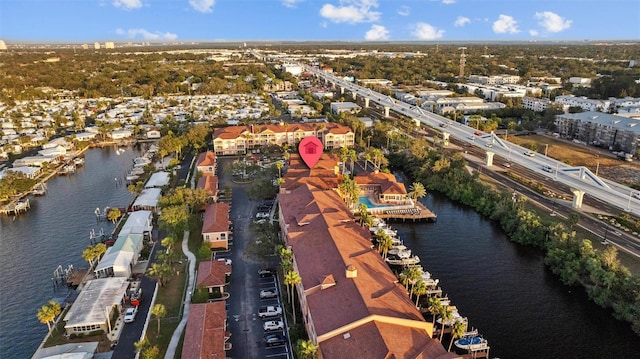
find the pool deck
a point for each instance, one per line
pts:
(423, 214)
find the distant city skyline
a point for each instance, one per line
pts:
(317, 20)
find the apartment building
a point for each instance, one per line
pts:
(600, 129)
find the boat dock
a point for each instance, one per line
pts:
(418, 213)
(16, 207)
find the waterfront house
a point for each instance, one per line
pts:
(213, 276)
(350, 300)
(158, 180)
(384, 188)
(215, 226)
(29, 172)
(206, 331)
(147, 200)
(96, 302)
(206, 163)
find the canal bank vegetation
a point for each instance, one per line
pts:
(573, 259)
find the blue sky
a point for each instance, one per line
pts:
(354, 20)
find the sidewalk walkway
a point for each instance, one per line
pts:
(177, 334)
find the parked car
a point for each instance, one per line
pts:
(274, 340)
(268, 293)
(130, 314)
(225, 260)
(261, 215)
(272, 325)
(265, 272)
(270, 311)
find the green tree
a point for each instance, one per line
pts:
(446, 314)
(410, 276)
(113, 214)
(159, 311)
(161, 272)
(47, 313)
(457, 331)
(573, 219)
(168, 242)
(420, 288)
(417, 191)
(385, 242)
(434, 307)
(291, 279)
(305, 349)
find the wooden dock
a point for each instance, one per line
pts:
(15, 207)
(418, 213)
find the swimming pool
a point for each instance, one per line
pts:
(367, 202)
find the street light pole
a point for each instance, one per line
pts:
(629, 203)
(546, 147)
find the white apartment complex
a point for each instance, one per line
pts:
(600, 129)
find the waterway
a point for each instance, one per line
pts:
(505, 290)
(54, 232)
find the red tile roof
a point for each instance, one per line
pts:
(206, 159)
(212, 274)
(209, 184)
(216, 218)
(323, 175)
(325, 241)
(205, 332)
(386, 181)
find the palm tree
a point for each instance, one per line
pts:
(457, 331)
(385, 242)
(412, 274)
(353, 156)
(306, 349)
(434, 307)
(160, 271)
(279, 165)
(446, 314)
(168, 242)
(88, 254)
(159, 311)
(291, 279)
(420, 288)
(113, 214)
(48, 312)
(574, 218)
(364, 214)
(417, 190)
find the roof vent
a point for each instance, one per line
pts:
(346, 335)
(351, 272)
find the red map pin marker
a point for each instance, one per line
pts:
(310, 149)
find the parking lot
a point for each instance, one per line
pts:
(243, 322)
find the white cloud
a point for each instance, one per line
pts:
(424, 31)
(447, 2)
(377, 33)
(461, 21)
(552, 22)
(351, 11)
(290, 3)
(147, 35)
(202, 5)
(403, 11)
(128, 4)
(505, 25)
(533, 32)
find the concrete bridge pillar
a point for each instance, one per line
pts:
(445, 138)
(578, 195)
(490, 158)
(342, 90)
(355, 95)
(386, 111)
(366, 102)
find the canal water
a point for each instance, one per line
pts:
(54, 232)
(504, 289)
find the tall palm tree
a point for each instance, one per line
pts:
(88, 254)
(420, 288)
(446, 314)
(417, 190)
(457, 331)
(291, 279)
(159, 311)
(279, 165)
(353, 156)
(168, 242)
(385, 242)
(48, 312)
(161, 272)
(434, 307)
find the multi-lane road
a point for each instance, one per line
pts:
(578, 178)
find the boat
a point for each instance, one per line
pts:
(471, 342)
(400, 250)
(68, 169)
(40, 189)
(78, 161)
(426, 278)
(379, 224)
(141, 161)
(455, 317)
(395, 260)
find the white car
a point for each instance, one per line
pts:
(130, 314)
(268, 293)
(529, 153)
(273, 325)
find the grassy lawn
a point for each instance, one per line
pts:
(172, 297)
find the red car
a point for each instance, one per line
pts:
(478, 133)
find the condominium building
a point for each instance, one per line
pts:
(600, 129)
